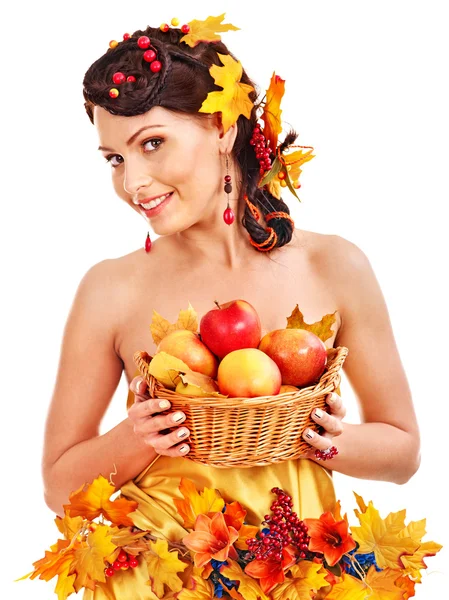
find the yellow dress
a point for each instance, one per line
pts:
(309, 484)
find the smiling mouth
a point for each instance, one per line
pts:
(154, 203)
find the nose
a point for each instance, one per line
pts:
(137, 177)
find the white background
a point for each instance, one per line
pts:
(366, 86)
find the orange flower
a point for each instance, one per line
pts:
(212, 538)
(271, 571)
(330, 537)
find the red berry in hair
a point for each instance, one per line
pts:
(164, 27)
(131, 78)
(126, 36)
(155, 66)
(185, 28)
(149, 55)
(122, 556)
(143, 42)
(133, 562)
(113, 92)
(116, 565)
(118, 77)
(109, 572)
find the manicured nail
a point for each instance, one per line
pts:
(164, 404)
(182, 433)
(309, 434)
(139, 386)
(178, 416)
(318, 413)
(330, 399)
(184, 448)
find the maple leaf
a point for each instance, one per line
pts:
(271, 115)
(294, 160)
(64, 586)
(196, 503)
(160, 327)
(163, 566)
(233, 99)
(307, 578)
(245, 533)
(94, 501)
(197, 588)
(379, 585)
(166, 368)
(382, 537)
(412, 563)
(89, 559)
(205, 31)
(69, 526)
(322, 328)
(53, 563)
(248, 588)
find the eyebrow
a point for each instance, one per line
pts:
(133, 137)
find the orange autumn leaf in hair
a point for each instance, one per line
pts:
(233, 100)
(205, 31)
(212, 538)
(330, 537)
(94, 501)
(196, 503)
(272, 112)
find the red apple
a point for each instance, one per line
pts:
(300, 355)
(231, 326)
(248, 373)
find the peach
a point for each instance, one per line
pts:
(300, 355)
(248, 373)
(187, 346)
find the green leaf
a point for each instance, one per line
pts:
(275, 168)
(289, 183)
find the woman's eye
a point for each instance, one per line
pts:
(111, 157)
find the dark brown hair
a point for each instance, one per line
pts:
(182, 85)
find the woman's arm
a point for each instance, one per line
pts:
(386, 445)
(88, 374)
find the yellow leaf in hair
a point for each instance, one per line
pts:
(295, 160)
(321, 328)
(271, 115)
(232, 101)
(205, 31)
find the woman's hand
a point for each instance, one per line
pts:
(331, 423)
(152, 427)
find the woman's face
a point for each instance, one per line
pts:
(162, 152)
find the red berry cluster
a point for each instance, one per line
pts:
(326, 454)
(262, 152)
(123, 561)
(284, 528)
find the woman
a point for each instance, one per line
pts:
(170, 153)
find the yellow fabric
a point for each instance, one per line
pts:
(309, 484)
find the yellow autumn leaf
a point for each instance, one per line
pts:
(69, 526)
(160, 327)
(197, 588)
(274, 187)
(196, 503)
(233, 100)
(89, 559)
(163, 566)
(205, 31)
(414, 562)
(196, 384)
(245, 533)
(165, 368)
(382, 537)
(271, 115)
(323, 328)
(295, 160)
(64, 586)
(248, 586)
(306, 579)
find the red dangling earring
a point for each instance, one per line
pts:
(148, 243)
(228, 215)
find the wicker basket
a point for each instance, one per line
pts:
(249, 432)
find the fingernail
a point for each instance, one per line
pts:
(139, 386)
(178, 416)
(309, 434)
(318, 413)
(182, 433)
(164, 404)
(184, 448)
(330, 398)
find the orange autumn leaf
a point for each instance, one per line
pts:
(69, 526)
(414, 562)
(163, 566)
(379, 585)
(197, 588)
(205, 31)
(245, 533)
(160, 327)
(271, 115)
(64, 586)
(294, 160)
(249, 589)
(89, 558)
(322, 328)
(233, 100)
(306, 578)
(94, 501)
(54, 562)
(196, 503)
(382, 536)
